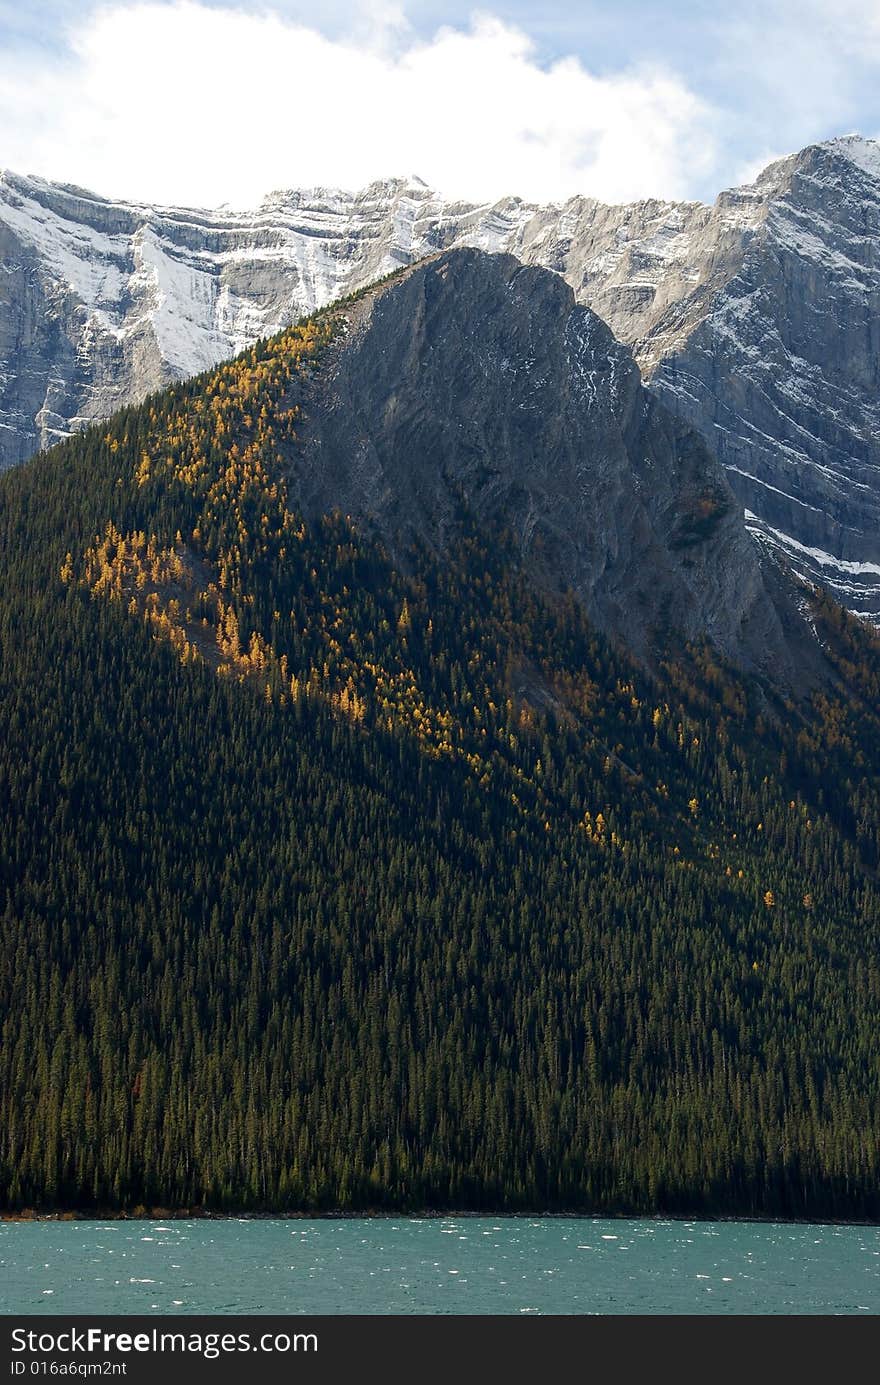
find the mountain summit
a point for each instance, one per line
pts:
(473, 380)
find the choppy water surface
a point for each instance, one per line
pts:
(449, 1265)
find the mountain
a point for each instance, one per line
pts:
(102, 302)
(755, 319)
(348, 862)
(776, 359)
(480, 381)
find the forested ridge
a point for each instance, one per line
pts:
(335, 881)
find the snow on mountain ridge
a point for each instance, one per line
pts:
(864, 153)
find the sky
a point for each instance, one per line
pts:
(210, 102)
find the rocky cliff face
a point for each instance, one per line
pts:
(781, 372)
(476, 379)
(102, 302)
(757, 319)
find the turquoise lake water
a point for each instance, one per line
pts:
(433, 1265)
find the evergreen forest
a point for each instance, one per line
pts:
(334, 880)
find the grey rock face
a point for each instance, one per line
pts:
(102, 302)
(757, 319)
(782, 374)
(478, 379)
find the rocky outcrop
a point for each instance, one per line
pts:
(478, 380)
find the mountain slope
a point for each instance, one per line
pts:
(349, 873)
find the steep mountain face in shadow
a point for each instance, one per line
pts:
(477, 381)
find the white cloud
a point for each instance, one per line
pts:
(796, 71)
(852, 24)
(184, 103)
